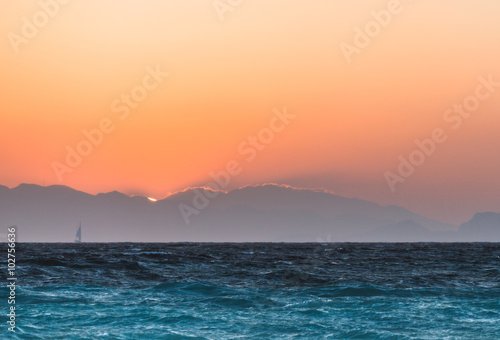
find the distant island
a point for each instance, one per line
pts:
(265, 213)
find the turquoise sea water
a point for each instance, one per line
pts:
(256, 291)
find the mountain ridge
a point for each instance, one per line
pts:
(267, 212)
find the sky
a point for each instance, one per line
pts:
(151, 97)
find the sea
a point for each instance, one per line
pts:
(254, 291)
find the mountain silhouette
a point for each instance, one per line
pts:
(483, 227)
(265, 213)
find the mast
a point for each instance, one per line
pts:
(78, 237)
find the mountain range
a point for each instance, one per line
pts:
(265, 213)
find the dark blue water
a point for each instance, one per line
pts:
(255, 291)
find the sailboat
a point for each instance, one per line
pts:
(78, 237)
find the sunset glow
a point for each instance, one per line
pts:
(150, 97)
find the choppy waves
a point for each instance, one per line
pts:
(258, 291)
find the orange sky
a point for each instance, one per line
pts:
(352, 120)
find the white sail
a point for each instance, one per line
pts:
(78, 237)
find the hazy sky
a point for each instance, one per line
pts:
(355, 113)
